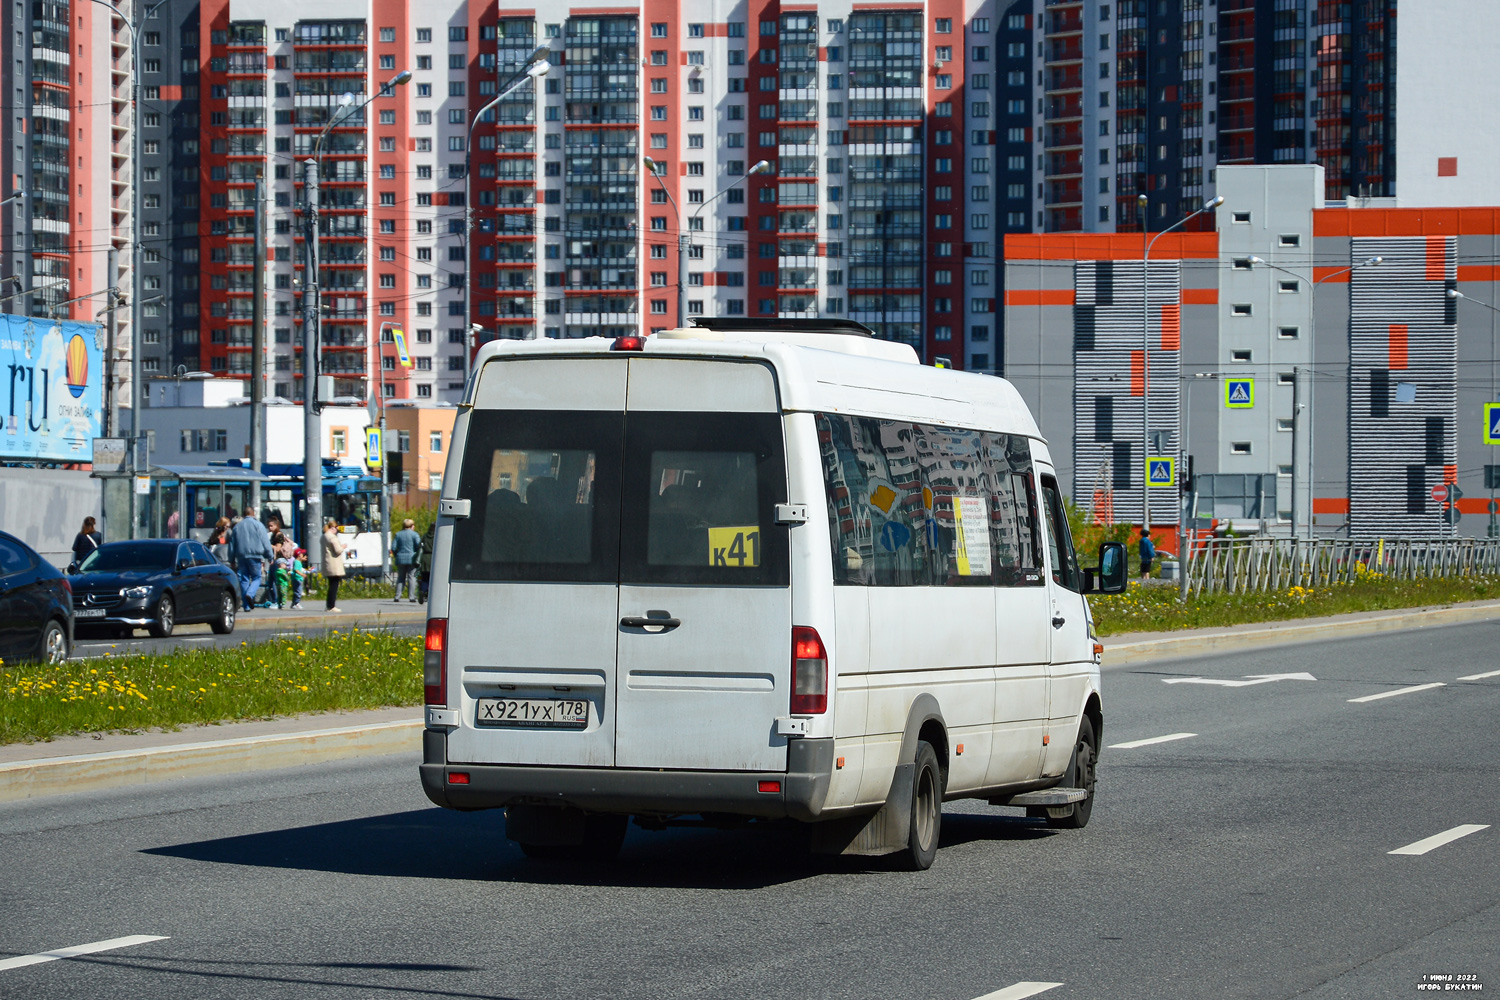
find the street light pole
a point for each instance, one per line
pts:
(1312, 373)
(312, 313)
(1142, 201)
(536, 67)
(684, 238)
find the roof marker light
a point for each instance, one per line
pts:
(628, 344)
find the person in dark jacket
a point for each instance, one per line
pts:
(1148, 554)
(87, 541)
(424, 562)
(249, 548)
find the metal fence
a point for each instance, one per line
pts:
(1258, 565)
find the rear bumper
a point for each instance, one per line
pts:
(803, 786)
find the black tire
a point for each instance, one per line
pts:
(53, 646)
(926, 810)
(166, 618)
(1081, 774)
(228, 607)
(603, 834)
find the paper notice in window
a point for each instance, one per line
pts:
(971, 523)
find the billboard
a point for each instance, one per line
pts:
(51, 396)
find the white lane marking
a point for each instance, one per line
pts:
(1391, 694)
(1439, 839)
(1155, 739)
(21, 961)
(1249, 681)
(1480, 677)
(1019, 991)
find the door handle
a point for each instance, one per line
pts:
(1058, 621)
(665, 624)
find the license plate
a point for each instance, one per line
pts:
(534, 713)
(89, 613)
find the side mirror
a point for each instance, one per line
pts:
(72, 569)
(182, 564)
(1110, 577)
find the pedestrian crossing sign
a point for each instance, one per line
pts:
(1492, 423)
(399, 336)
(1161, 471)
(373, 451)
(1239, 393)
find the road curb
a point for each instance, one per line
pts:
(1125, 654)
(95, 772)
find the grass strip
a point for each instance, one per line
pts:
(137, 692)
(1157, 608)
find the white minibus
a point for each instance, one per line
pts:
(754, 569)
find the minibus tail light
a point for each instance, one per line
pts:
(629, 344)
(809, 672)
(435, 663)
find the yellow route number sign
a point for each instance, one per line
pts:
(735, 547)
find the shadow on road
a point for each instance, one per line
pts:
(439, 844)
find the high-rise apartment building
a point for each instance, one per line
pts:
(902, 142)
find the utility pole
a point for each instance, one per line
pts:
(112, 330)
(312, 451)
(258, 344)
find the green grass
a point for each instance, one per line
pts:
(352, 670)
(353, 588)
(1157, 609)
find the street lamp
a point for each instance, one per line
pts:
(684, 240)
(1142, 201)
(135, 240)
(1312, 336)
(312, 310)
(535, 68)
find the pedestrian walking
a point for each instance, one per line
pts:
(89, 539)
(333, 561)
(424, 562)
(1148, 554)
(406, 546)
(249, 548)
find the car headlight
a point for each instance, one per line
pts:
(130, 592)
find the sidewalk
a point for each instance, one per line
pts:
(350, 613)
(98, 761)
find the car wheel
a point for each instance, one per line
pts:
(166, 618)
(224, 623)
(926, 810)
(1081, 774)
(53, 647)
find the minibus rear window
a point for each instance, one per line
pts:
(700, 496)
(545, 493)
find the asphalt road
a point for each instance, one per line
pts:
(1251, 860)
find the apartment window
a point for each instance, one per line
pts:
(1241, 309)
(1287, 287)
(1241, 357)
(424, 34)
(695, 58)
(944, 81)
(1240, 218)
(658, 140)
(944, 109)
(423, 90)
(658, 86)
(659, 30)
(695, 31)
(387, 34)
(387, 117)
(659, 57)
(943, 25)
(1289, 240)
(424, 62)
(944, 53)
(458, 34)
(1239, 448)
(1287, 332)
(387, 62)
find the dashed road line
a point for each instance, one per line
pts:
(1439, 839)
(21, 961)
(1148, 742)
(1391, 694)
(1019, 991)
(1481, 677)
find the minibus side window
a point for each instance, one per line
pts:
(956, 487)
(544, 493)
(1014, 521)
(1059, 541)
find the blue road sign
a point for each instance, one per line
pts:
(894, 535)
(1492, 423)
(1161, 471)
(1239, 393)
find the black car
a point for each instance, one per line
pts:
(36, 605)
(156, 584)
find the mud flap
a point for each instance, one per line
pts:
(885, 832)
